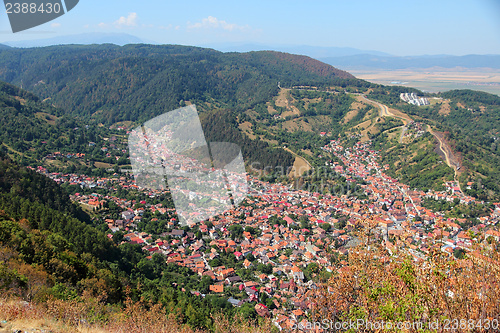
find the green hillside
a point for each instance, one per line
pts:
(52, 251)
(36, 133)
(262, 101)
(470, 123)
(109, 84)
(138, 82)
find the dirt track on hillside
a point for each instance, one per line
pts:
(450, 158)
(300, 165)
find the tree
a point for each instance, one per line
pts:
(247, 310)
(236, 231)
(215, 262)
(326, 226)
(459, 253)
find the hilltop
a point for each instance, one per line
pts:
(137, 82)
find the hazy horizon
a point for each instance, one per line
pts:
(401, 29)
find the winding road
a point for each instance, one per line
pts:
(443, 146)
(384, 112)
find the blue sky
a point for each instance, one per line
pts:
(399, 27)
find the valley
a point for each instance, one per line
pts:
(436, 79)
(339, 170)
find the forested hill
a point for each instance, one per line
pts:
(137, 82)
(32, 130)
(24, 194)
(48, 254)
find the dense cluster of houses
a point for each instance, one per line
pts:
(413, 130)
(278, 211)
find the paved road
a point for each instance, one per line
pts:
(384, 110)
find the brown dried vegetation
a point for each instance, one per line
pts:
(376, 286)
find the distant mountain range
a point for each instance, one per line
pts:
(84, 39)
(369, 61)
(316, 52)
(346, 58)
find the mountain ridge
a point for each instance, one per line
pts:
(366, 61)
(83, 39)
(115, 75)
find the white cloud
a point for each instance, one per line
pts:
(213, 22)
(55, 25)
(129, 21)
(102, 25)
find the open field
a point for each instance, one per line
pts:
(300, 165)
(436, 79)
(50, 119)
(103, 165)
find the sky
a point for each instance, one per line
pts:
(398, 27)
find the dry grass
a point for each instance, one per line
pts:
(126, 124)
(300, 165)
(270, 109)
(308, 101)
(54, 163)
(445, 108)
(295, 125)
(285, 100)
(246, 127)
(350, 114)
(103, 165)
(398, 114)
(252, 114)
(20, 99)
(394, 134)
(376, 286)
(308, 152)
(92, 316)
(354, 109)
(50, 119)
(366, 127)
